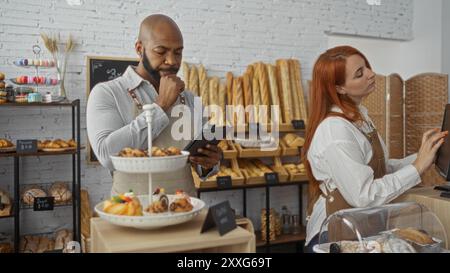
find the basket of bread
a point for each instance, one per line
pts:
(161, 160)
(163, 210)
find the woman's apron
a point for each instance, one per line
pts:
(373, 224)
(171, 181)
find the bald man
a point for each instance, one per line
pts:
(115, 119)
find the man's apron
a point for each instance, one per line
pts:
(171, 181)
(337, 230)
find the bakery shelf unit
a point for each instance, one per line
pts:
(298, 180)
(76, 166)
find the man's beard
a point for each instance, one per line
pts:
(154, 73)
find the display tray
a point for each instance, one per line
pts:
(8, 149)
(150, 164)
(152, 220)
(57, 149)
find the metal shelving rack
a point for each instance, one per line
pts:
(76, 168)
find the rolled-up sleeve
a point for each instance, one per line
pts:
(394, 165)
(355, 179)
(106, 132)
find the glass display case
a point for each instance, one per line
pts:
(393, 228)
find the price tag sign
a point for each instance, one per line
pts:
(27, 146)
(224, 182)
(298, 124)
(271, 178)
(220, 216)
(43, 203)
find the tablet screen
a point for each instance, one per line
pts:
(443, 154)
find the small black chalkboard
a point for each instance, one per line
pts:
(271, 178)
(220, 216)
(298, 124)
(224, 182)
(43, 203)
(27, 146)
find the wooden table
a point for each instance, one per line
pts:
(186, 237)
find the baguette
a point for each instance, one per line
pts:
(294, 93)
(193, 80)
(264, 91)
(238, 97)
(229, 83)
(299, 90)
(222, 102)
(204, 85)
(255, 95)
(285, 91)
(213, 97)
(185, 68)
(271, 72)
(248, 100)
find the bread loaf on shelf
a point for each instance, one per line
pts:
(203, 85)
(285, 90)
(185, 69)
(222, 102)
(256, 95)
(193, 80)
(248, 99)
(238, 101)
(214, 97)
(295, 64)
(275, 100)
(264, 92)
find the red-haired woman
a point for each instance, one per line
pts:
(346, 160)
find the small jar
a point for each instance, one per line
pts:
(48, 97)
(34, 97)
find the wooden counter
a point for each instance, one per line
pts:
(186, 237)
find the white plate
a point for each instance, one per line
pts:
(152, 220)
(150, 164)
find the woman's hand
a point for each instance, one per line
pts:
(431, 141)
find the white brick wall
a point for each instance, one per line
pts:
(223, 35)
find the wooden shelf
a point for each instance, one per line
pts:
(282, 239)
(252, 186)
(40, 104)
(40, 153)
(9, 216)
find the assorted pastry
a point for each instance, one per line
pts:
(293, 140)
(254, 167)
(414, 235)
(5, 204)
(60, 191)
(30, 193)
(123, 204)
(5, 144)
(160, 202)
(156, 152)
(225, 171)
(40, 244)
(295, 168)
(57, 144)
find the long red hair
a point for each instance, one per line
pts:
(328, 72)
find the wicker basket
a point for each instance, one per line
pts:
(425, 100)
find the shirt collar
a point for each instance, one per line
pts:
(133, 78)
(362, 109)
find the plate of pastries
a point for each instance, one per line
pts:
(6, 145)
(57, 145)
(130, 210)
(132, 160)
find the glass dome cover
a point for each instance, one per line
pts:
(394, 228)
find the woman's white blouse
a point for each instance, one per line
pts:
(339, 156)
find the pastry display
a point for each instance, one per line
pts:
(60, 191)
(35, 62)
(6, 248)
(4, 143)
(293, 140)
(30, 193)
(381, 245)
(156, 152)
(414, 235)
(160, 202)
(5, 204)
(225, 171)
(41, 80)
(254, 167)
(123, 204)
(182, 202)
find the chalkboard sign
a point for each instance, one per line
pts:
(103, 69)
(43, 203)
(220, 216)
(26, 146)
(224, 182)
(271, 178)
(298, 124)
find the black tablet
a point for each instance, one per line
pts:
(194, 145)
(443, 154)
